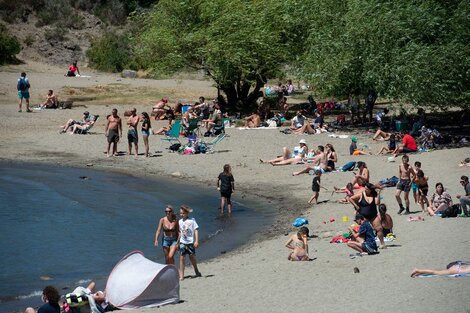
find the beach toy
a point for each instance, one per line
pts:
(300, 221)
(345, 219)
(332, 220)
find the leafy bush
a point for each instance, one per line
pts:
(56, 34)
(29, 40)
(9, 46)
(110, 52)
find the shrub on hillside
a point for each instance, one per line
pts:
(110, 52)
(9, 46)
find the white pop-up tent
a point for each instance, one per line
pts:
(137, 282)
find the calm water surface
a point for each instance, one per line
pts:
(55, 223)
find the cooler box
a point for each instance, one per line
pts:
(401, 125)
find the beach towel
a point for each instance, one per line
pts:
(453, 275)
(339, 239)
(300, 221)
(389, 182)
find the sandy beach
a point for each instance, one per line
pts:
(258, 277)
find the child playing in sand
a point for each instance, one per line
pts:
(421, 183)
(406, 173)
(348, 190)
(353, 150)
(386, 220)
(414, 188)
(364, 239)
(188, 239)
(298, 243)
(392, 145)
(226, 186)
(315, 187)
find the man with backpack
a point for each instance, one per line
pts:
(23, 91)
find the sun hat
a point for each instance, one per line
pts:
(302, 141)
(354, 138)
(186, 208)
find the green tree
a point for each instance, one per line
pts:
(111, 52)
(411, 51)
(239, 44)
(9, 46)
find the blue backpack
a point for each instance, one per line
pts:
(348, 166)
(22, 84)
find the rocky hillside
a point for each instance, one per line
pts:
(55, 44)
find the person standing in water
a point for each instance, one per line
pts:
(188, 239)
(226, 186)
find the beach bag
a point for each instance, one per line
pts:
(300, 221)
(451, 211)
(175, 147)
(348, 166)
(76, 300)
(22, 84)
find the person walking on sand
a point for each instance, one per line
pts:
(132, 135)
(23, 86)
(113, 131)
(226, 186)
(188, 239)
(406, 175)
(146, 125)
(315, 187)
(169, 225)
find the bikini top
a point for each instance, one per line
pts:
(166, 229)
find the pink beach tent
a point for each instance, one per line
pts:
(137, 282)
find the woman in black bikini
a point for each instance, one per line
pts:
(365, 204)
(169, 224)
(331, 157)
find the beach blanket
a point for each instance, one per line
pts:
(453, 275)
(389, 182)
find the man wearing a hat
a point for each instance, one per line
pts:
(364, 238)
(86, 119)
(353, 150)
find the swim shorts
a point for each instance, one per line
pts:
(132, 136)
(414, 187)
(23, 94)
(369, 248)
(404, 185)
(407, 150)
(187, 249)
(113, 135)
(169, 241)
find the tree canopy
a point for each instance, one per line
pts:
(410, 51)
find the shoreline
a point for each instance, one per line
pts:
(257, 276)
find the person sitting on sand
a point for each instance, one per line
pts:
(320, 162)
(215, 118)
(454, 268)
(381, 135)
(408, 145)
(361, 177)
(364, 239)
(159, 109)
(73, 70)
(299, 244)
(96, 299)
(189, 115)
(85, 119)
(440, 200)
(386, 220)
(348, 190)
(253, 121)
(51, 101)
(298, 121)
(353, 150)
(465, 162)
(289, 158)
(283, 106)
(391, 146)
(50, 296)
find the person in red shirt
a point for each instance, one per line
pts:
(73, 70)
(408, 145)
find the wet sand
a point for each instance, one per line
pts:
(258, 277)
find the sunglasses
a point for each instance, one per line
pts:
(166, 211)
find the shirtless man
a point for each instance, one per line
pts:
(253, 121)
(406, 174)
(159, 108)
(321, 159)
(113, 131)
(51, 101)
(132, 134)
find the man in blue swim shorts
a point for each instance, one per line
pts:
(23, 91)
(132, 135)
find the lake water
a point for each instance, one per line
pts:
(73, 225)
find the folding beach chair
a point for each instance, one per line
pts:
(174, 133)
(87, 130)
(192, 128)
(215, 141)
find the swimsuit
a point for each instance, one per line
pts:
(368, 210)
(404, 185)
(132, 136)
(113, 135)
